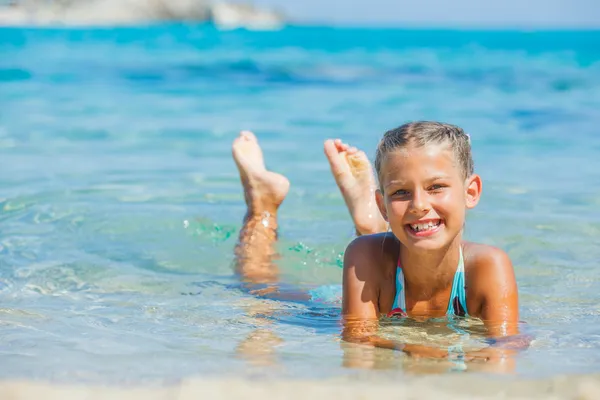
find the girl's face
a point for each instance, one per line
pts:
(425, 196)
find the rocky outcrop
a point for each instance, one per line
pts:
(127, 12)
(231, 16)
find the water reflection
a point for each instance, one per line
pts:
(427, 347)
(259, 347)
(356, 356)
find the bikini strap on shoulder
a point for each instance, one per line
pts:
(458, 297)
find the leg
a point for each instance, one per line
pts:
(354, 176)
(264, 192)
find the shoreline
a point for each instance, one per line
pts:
(429, 387)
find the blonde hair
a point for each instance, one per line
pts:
(423, 133)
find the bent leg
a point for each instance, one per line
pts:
(354, 176)
(264, 191)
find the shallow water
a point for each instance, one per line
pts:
(120, 204)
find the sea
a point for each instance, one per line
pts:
(120, 203)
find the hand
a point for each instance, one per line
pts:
(490, 354)
(420, 351)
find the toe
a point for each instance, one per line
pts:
(336, 163)
(248, 135)
(330, 149)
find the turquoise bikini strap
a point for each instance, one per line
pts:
(458, 288)
(399, 300)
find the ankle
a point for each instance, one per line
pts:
(259, 208)
(263, 217)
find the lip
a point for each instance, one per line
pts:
(424, 234)
(425, 221)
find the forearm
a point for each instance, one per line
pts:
(514, 342)
(498, 349)
(503, 332)
(372, 339)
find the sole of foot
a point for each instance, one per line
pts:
(263, 190)
(354, 176)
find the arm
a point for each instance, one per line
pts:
(495, 290)
(360, 303)
(361, 284)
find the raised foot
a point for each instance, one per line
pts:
(264, 190)
(354, 176)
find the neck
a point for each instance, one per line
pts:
(429, 271)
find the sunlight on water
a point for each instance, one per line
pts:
(120, 204)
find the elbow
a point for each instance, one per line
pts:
(514, 342)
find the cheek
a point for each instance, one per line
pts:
(396, 209)
(452, 203)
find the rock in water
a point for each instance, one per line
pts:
(129, 12)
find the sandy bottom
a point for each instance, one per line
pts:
(446, 387)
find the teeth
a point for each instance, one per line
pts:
(426, 226)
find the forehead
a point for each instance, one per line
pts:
(419, 162)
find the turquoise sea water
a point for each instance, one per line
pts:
(120, 204)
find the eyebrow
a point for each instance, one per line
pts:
(432, 179)
(394, 182)
(435, 178)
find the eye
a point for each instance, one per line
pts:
(400, 192)
(436, 187)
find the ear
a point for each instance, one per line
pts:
(473, 190)
(381, 204)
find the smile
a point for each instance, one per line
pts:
(425, 228)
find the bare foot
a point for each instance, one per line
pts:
(354, 176)
(263, 190)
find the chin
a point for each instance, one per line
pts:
(426, 245)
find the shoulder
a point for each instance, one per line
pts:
(488, 271)
(370, 258)
(487, 263)
(368, 262)
(377, 250)
(483, 258)
(492, 292)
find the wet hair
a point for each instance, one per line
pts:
(423, 133)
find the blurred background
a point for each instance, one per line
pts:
(577, 14)
(120, 204)
(439, 13)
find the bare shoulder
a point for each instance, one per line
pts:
(482, 257)
(486, 262)
(488, 272)
(371, 255)
(372, 252)
(367, 261)
(492, 292)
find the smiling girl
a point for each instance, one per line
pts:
(421, 267)
(410, 260)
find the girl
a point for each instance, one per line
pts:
(409, 259)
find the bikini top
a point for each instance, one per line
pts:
(457, 306)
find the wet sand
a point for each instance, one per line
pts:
(439, 387)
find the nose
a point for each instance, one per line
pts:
(419, 203)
